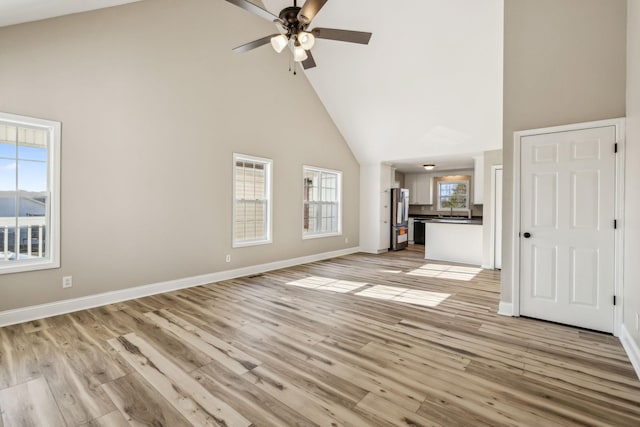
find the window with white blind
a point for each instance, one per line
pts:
(29, 193)
(322, 202)
(252, 200)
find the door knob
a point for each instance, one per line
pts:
(527, 235)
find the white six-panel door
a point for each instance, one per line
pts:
(567, 235)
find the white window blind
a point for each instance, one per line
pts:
(252, 203)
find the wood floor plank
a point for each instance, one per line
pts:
(18, 362)
(317, 409)
(192, 400)
(220, 351)
(30, 404)
(139, 404)
(112, 419)
(78, 396)
(255, 404)
(393, 413)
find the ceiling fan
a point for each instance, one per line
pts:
(293, 26)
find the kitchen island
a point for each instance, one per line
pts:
(454, 240)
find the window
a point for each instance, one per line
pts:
(322, 200)
(453, 195)
(29, 193)
(252, 204)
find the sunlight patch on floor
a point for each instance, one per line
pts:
(327, 284)
(452, 272)
(411, 296)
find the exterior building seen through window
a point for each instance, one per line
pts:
(29, 195)
(322, 207)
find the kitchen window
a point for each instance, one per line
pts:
(252, 200)
(29, 194)
(322, 202)
(453, 195)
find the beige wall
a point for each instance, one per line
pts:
(564, 62)
(153, 104)
(632, 199)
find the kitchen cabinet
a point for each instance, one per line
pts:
(420, 188)
(478, 180)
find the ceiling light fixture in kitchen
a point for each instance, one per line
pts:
(429, 166)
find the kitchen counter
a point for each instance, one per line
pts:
(453, 241)
(477, 220)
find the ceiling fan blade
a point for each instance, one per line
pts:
(309, 62)
(254, 44)
(309, 10)
(342, 35)
(256, 10)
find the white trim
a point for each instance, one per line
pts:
(619, 125)
(492, 207)
(631, 347)
(505, 309)
(268, 168)
(26, 314)
(52, 238)
(311, 235)
(456, 181)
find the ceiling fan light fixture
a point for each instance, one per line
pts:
(306, 39)
(429, 166)
(299, 54)
(279, 42)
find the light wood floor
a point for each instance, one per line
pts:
(359, 340)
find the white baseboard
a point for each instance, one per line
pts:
(505, 308)
(631, 347)
(27, 314)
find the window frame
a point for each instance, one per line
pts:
(467, 195)
(317, 235)
(268, 163)
(53, 129)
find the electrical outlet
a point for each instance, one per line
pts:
(67, 282)
(227, 258)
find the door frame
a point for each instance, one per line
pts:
(492, 234)
(619, 125)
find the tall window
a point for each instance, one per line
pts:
(453, 195)
(252, 204)
(29, 193)
(322, 202)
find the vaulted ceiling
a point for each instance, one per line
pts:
(429, 84)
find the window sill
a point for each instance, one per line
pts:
(26, 266)
(319, 236)
(246, 244)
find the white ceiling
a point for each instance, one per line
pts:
(427, 88)
(19, 11)
(428, 85)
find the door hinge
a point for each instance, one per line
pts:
(614, 300)
(615, 147)
(615, 224)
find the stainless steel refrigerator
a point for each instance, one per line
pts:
(399, 218)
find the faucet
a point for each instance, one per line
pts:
(451, 214)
